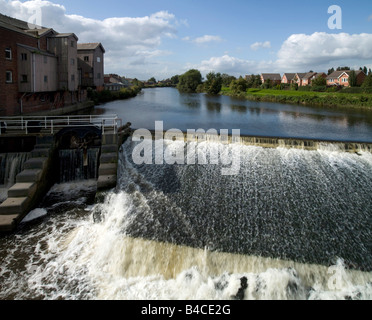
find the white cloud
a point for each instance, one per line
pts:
(204, 39)
(232, 65)
(302, 51)
(126, 39)
(259, 45)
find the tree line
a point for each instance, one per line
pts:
(193, 82)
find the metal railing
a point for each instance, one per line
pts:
(30, 124)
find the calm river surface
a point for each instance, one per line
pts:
(199, 111)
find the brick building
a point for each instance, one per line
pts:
(38, 69)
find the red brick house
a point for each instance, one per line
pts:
(274, 78)
(288, 78)
(309, 77)
(341, 78)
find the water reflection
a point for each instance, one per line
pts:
(214, 106)
(190, 111)
(190, 100)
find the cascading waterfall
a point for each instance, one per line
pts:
(11, 164)
(293, 224)
(77, 164)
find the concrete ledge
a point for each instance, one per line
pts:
(13, 206)
(106, 182)
(35, 163)
(8, 222)
(20, 190)
(109, 148)
(40, 153)
(109, 139)
(30, 175)
(109, 158)
(108, 169)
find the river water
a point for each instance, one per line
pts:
(194, 111)
(293, 224)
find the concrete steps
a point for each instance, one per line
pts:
(107, 173)
(23, 194)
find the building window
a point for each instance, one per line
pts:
(24, 56)
(98, 59)
(72, 44)
(72, 77)
(45, 79)
(9, 77)
(86, 58)
(45, 59)
(98, 76)
(72, 62)
(344, 80)
(8, 53)
(24, 78)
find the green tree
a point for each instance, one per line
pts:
(239, 86)
(352, 79)
(189, 81)
(254, 81)
(213, 85)
(367, 82)
(175, 80)
(153, 80)
(330, 71)
(227, 79)
(319, 81)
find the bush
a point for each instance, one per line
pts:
(351, 90)
(304, 88)
(239, 86)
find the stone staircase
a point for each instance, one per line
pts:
(107, 174)
(30, 185)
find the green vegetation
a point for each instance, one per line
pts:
(106, 96)
(325, 99)
(251, 87)
(213, 85)
(190, 81)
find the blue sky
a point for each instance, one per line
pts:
(162, 38)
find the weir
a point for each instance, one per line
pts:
(60, 150)
(265, 142)
(79, 150)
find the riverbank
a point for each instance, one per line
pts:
(308, 98)
(105, 96)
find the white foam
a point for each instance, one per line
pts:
(35, 214)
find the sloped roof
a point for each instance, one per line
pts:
(338, 74)
(290, 76)
(90, 46)
(309, 75)
(271, 76)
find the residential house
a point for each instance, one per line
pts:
(298, 78)
(38, 68)
(341, 78)
(91, 65)
(274, 78)
(288, 78)
(310, 76)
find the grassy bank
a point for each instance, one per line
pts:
(106, 96)
(322, 99)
